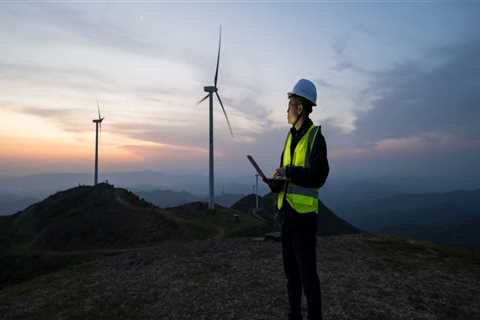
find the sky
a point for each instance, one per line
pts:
(398, 85)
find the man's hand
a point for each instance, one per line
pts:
(279, 173)
(275, 185)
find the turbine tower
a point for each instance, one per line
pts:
(210, 91)
(256, 191)
(98, 127)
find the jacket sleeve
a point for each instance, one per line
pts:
(316, 175)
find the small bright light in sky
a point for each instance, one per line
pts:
(377, 68)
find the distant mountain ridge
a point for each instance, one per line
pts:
(328, 222)
(41, 185)
(170, 198)
(337, 194)
(461, 234)
(11, 203)
(445, 218)
(427, 208)
(167, 198)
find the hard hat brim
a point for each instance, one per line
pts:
(295, 94)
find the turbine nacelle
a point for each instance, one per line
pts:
(210, 89)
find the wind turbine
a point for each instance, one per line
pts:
(98, 125)
(210, 91)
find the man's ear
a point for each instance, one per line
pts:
(300, 108)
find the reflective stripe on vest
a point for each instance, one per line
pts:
(293, 188)
(301, 199)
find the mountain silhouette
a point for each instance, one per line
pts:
(103, 216)
(450, 218)
(90, 217)
(328, 222)
(169, 198)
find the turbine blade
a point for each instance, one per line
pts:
(221, 104)
(202, 99)
(98, 108)
(218, 56)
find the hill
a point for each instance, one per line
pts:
(81, 223)
(328, 222)
(167, 198)
(433, 208)
(226, 199)
(227, 222)
(461, 234)
(170, 198)
(449, 218)
(89, 217)
(247, 203)
(362, 277)
(103, 216)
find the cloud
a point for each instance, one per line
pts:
(323, 83)
(340, 44)
(412, 145)
(168, 157)
(158, 148)
(420, 118)
(64, 118)
(412, 101)
(71, 23)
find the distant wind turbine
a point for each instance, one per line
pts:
(211, 90)
(98, 127)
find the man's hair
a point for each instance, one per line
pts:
(307, 105)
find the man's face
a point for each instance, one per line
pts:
(293, 110)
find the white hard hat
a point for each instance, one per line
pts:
(306, 89)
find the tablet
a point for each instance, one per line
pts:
(257, 168)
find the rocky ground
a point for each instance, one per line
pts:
(362, 277)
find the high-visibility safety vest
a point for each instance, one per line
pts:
(301, 199)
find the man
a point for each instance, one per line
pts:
(303, 170)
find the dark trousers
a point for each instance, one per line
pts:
(299, 261)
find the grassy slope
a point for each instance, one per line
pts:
(19, 263)
(220, 224)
